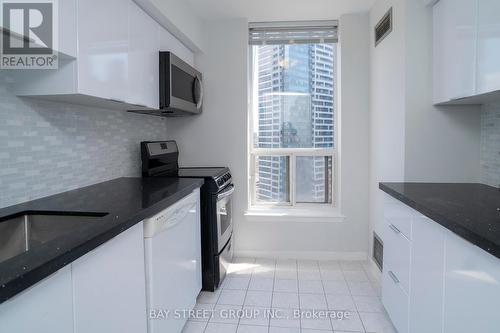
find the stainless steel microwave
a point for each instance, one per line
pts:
(181, 87)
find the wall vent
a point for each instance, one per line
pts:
(383, 27)
(378, 251)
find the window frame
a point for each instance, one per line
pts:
(291, 153)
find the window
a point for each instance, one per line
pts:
(292, 132)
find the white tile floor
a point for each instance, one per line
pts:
(254, 286)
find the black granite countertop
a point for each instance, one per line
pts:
(471, 211)
(127, 201)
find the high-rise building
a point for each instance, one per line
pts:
(295, 110)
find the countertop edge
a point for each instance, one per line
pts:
(37, 274)
(457, 229)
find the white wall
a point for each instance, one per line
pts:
(206, 140)
(411, 140)
(387, 99)
(217, 137)
(354, 128)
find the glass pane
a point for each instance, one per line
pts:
(224, 212)
(314, 179)
(271, 179)
(294, 90)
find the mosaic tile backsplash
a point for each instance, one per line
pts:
(490, 144)
(48, 148)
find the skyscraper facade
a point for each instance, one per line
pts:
(295, 110)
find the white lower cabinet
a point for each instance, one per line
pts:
(471, 289)
(395, 300)
(452, 285)
(109, 286)
(397, 249)
(47, 307)
(427, 275)
(104, 291)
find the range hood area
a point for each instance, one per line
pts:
(105, 66)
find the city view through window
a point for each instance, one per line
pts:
(294, 108)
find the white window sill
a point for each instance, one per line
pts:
(273, 214)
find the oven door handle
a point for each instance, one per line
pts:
(226, 193)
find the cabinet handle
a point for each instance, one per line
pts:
(393, 277)
(393, 227)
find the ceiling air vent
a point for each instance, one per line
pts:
(383, 27)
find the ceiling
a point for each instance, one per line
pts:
(277, 10)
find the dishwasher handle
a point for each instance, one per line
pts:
(158, 225)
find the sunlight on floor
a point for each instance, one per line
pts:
(240, 268)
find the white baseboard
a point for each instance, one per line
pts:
(302, 255)
(374, 270)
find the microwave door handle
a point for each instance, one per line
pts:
(198, 97)
(226, 193)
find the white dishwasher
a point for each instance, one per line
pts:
(173, 264)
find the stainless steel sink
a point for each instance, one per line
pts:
(25, 231)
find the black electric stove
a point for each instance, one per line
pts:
(160, 159)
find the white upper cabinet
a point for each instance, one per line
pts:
(488, 46)
(466, 50)
(143, 87)
(454, 49)
(110, 57)
(103, 45)
(67, 27)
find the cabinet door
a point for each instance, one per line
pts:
(397, 253)
(440, 52)
(67, 27)
(488, 47)
(395, 300)
(472, 288)
(454, 49)
(427, 276)
(103, 48)
(109, 286)
(143, 59)
(45, 307)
